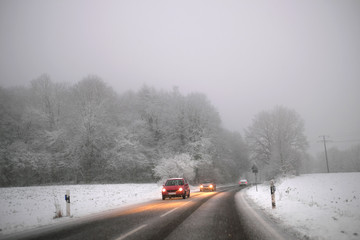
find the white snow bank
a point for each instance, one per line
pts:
(28, 207)
(319, 206)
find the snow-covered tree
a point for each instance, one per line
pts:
(93, 126)
(177, 166)
(56, 132)
(276, 140)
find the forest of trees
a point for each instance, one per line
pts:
(59, 133)
(54, 133)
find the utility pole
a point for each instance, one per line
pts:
(326, 157)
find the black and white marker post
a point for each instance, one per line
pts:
(272, 191)
(67, 199)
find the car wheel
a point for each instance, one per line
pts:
(163, 197)
(189, 194)
(184, 196)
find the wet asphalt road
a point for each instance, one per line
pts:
(205, 215)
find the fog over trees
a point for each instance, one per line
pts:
(277, 141)
(280, 75)
(85, 133)
(346, 160)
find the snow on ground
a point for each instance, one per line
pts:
(24, 208)
(319, 206)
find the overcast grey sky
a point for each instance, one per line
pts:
(246, 56)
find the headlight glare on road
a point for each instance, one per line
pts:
(180, 189)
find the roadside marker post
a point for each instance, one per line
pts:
(67, 199)
(272, 191)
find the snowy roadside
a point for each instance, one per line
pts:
(318, 206)
(24, 208)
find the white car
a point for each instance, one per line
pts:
(243, 182)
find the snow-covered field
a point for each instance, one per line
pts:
(319, 206)
(29, 207)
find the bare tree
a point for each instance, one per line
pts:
(277, 141)
(43, 95)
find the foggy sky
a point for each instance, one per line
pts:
(246, 56)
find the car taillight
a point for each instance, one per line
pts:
(164, 190)
(180, 189)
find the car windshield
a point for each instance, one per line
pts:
(174, 182)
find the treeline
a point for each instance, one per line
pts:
(87, 133)
(345, 160)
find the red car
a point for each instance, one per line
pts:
(175, 187)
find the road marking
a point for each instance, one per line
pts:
(131, 232)
(168, 212)
(172, 210)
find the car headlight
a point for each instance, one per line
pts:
(164, 190)
(211, 186)
(180, 189)
(201, 186)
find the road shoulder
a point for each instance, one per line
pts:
(259, 224)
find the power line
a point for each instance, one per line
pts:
(349, 140)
